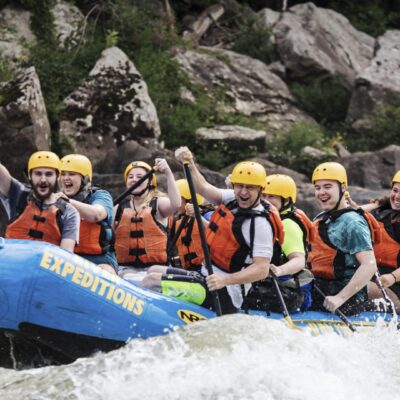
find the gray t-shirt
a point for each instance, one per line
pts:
(70, 219)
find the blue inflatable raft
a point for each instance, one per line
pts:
(56, 307)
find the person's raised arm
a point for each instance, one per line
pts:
(167, 208)
(210, 192)
(5, 180)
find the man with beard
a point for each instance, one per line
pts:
(240, 237)
(39, 213)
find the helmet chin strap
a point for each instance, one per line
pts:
(143, 191)
(341, 194)
(257, 199)
(285, 207)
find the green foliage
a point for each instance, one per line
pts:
(254, 40)
(285, 148)
(6, 71)
(218, 155)
(373, 17)
(112, 38)
(382, 129)
(60, 72)
(42, 23)
(326, 100)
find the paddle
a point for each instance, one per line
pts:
(285, 311)
(134, 186)
(207, 260)
(388, 301)
(184, 222)
(337, 311)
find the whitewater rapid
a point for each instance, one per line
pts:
(232, 357)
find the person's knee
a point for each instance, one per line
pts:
(157, 268)
(108, 268)
(152, 281)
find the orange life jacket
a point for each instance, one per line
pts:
(387, 252)
(327, 261)
(140, 239)
(228, 248)
(190, 250)
(305, 224)
(95, 238)
(33, 223)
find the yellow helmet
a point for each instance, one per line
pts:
(140, 164)
(44, 159)
(281, 185)
(396, 178)
(183, 187)
(330, 171)
(249, 173)
(77, 163)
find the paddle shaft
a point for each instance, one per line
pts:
(133, 186)
(207, 260)
(184, 222)
(337, 311)
(285, 311)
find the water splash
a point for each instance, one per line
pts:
(233, 357)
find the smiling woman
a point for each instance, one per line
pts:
(387, 251)
(141, 219)
(95, 209)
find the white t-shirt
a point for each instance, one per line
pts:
(263, 236)
(262, 246)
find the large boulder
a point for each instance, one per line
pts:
(232, 136)
(373, 170)
(379, 83)
(314, 41)
(248, 85)
(24, 126)
(109, 108)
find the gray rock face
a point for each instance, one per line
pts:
(380, 82)
(68, 21)
(249, 86)
(233, 136)
(24, 127)
(373, 170)
(16, 33)
(15, 30)
(314, 41)
(112, 106)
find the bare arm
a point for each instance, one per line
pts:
(297, 262)
(167, 207)
(90, 212)
(210, 192)
(5, 180)
(68, 244)
(257, 271)
(360, 279)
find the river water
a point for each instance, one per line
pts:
(232, 357)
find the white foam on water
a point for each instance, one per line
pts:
(232, 357)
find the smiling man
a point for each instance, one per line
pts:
(342, 258)
(240, 238)
(39, 213)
